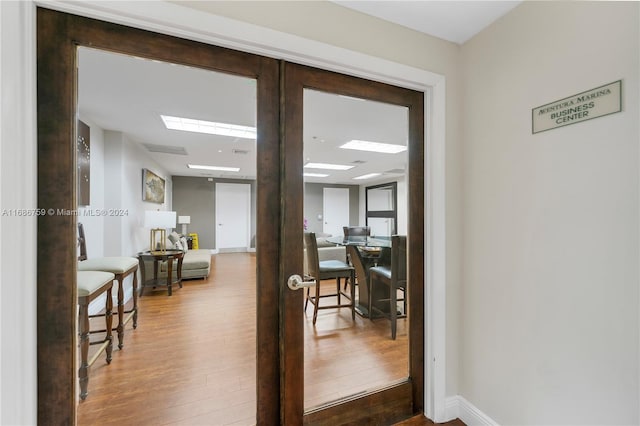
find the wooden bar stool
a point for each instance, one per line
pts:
(121, 267)
(91, 284)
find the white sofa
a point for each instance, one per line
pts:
(195, 263)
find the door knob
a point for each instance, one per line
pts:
(295, 282)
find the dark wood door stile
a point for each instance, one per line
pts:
(280, 382)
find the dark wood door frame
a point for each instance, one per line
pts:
(395, 402)
(58, 36)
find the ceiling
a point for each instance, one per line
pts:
(128, 95)
(455, 21)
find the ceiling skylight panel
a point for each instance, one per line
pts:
(369, 146)
(327, 166)
(208, 127)
(367, 176)
(216, 168)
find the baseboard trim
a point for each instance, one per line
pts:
(451, 409)
(234, 250)
(457, 407)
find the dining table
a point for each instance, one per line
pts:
(364, 253)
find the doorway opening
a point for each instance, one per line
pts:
(272, 279)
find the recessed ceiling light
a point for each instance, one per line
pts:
(315, 175)
(385, 148)
(368, 176)
(208, 127)
(327, 166)
(218, 168)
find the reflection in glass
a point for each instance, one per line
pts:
(346, 357)
(382, 211)
(211, 375)
(382, 198)
(381, 226)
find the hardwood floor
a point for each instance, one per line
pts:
(422, 420)
(347, 357)
(191, 361)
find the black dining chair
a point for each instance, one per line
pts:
(355, 233)
(395, 279)
(323, 270)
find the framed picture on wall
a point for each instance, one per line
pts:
(83, 164)
(152, 187)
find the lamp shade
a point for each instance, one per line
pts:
(184, 220)
(159, 219)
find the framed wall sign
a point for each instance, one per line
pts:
(594, 103)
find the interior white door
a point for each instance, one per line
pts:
(233, 216)
(335, 210)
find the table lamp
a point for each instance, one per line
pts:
(184, 221)
(159, 222)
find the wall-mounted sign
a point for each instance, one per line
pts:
(594, 103)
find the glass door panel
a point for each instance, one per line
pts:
(381, 198)
(383, 210)
(335, 370)
(381, 226)
(346, 145)
(58, 37)
(194, 129)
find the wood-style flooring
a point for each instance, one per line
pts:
(191, 361)
(422, 420)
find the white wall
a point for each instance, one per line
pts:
(134, 236)
(18, 179)
(550, 272)
(119, 231)
(124, 233)
(92, 222)
(113, 182)
(403, 204)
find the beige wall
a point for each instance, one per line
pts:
(550, 273)
(336, 25)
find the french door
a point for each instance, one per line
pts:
(384, 404)
(279, 251)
